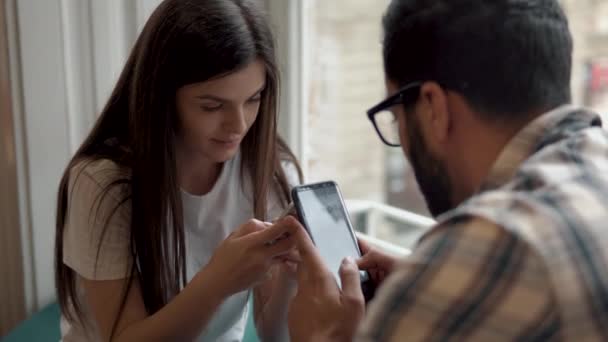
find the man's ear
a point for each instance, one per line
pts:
(436, 113)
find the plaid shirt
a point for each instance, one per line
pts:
(525, 259)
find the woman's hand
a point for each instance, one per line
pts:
(245, 258)
(272, 297)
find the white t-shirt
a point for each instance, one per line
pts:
(208, 220)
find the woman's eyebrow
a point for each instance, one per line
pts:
(221, 99)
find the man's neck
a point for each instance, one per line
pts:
(482, 151)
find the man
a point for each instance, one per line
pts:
(517, 178)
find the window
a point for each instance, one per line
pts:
(343, 77)
(589, 26)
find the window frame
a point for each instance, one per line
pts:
(287, 21)
(289, 25)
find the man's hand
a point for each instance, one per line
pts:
(379, 265)
(321, 311)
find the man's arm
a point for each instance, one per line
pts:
(468, 279)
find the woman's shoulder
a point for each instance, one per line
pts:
(102, 170)
(98, 175)
(96, 236)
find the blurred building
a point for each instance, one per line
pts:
(345, 78)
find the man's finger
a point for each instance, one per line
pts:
(364, 246)
(309, 254)
(351, 281)
(367, 261)
(311, 266)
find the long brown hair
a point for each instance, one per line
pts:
(183, 42)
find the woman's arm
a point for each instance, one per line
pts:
(241, 261)
(271, 303)
(182, 319)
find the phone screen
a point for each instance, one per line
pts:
(322, 211)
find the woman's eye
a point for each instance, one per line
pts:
(256, 98)
(211, 108)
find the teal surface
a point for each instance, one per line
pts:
(251, 334)
(44, 326)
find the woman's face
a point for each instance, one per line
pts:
(215, 115)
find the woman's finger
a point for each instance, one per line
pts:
(280, 248)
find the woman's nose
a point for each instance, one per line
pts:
(234, 121)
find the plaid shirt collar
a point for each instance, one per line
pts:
(545, 130)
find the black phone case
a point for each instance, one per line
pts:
(367, 285)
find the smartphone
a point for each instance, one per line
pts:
(321, 210)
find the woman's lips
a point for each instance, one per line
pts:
(227, 142)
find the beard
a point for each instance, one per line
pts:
(430, 172)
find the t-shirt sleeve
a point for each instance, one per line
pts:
(96, 236)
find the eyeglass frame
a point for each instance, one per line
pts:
(404, 95)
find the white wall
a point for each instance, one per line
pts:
(46, 129)
(70, 53)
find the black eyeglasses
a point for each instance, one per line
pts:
(384, 120)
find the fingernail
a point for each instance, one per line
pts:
(348, 260)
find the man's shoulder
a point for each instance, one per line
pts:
(507, 210)
(467, 268)
(547, 220)
(483, 221)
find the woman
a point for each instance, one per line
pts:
(150, 241)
